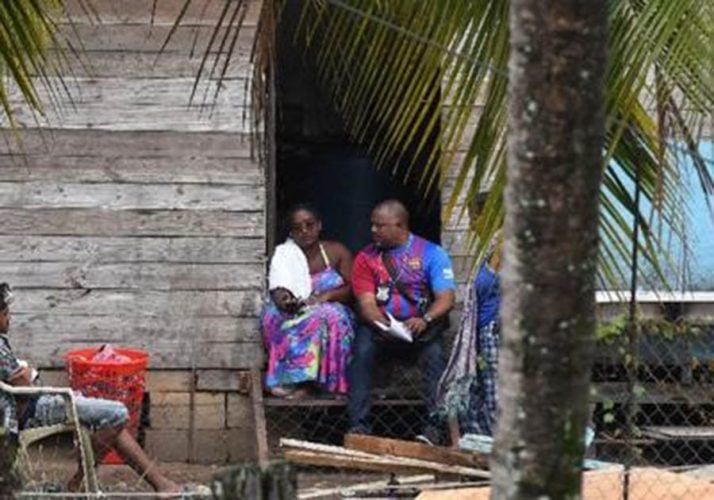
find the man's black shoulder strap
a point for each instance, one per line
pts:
(389, 265)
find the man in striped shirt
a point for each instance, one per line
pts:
(411, 280)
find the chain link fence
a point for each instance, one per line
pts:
(652, 389)
(398, 410)
(652, 402)
(652, 410)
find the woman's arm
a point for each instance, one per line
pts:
(342, 258)
(22, 377)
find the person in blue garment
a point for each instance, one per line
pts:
(484, 303)
(467, 389)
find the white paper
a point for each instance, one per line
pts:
(33, 371)
(381, 326)
(395, 329)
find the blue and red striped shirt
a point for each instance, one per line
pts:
(421, 266)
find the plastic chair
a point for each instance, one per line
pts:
(83, 440)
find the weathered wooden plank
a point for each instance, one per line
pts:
(131, 196)
(378, 463)
(163, 354)
(125, 144)
(261, 428)
(48, 221)
(167, 380)
(222, 380)
(411, 449)
(162, 11)
(137, 104)
(464, 267)
(348, 462)
(126, 329)
(171, 410)
(456, 242)
(210, 446)
(166, 276)
(465, 141)
(148, 169)
(127, 249)
(198, 303)
(239, 411)
(460, 211)
(95, 93)
(139, 37)
(167, 445)
(152, 118)
(131, 222)
(108, 63)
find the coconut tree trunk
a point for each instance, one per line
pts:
(555, 142)
(271, 481)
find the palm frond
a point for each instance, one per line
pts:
(387, 62)
(27, 30)
(409, 79)
(219, 52)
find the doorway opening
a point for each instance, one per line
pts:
(318, 164)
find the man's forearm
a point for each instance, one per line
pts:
(369, 312)
(372, 314)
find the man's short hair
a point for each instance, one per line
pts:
(395, 208)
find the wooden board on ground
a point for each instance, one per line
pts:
(346, 462)
(644, 483)
(337, 456)
(411, 449)
(687, 433)
(705, 472)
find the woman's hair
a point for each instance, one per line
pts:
(6, 296)
(300, 207)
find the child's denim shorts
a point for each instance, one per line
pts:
(92, 412)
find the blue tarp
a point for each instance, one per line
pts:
(694, 269)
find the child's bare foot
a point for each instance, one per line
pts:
(190, 490)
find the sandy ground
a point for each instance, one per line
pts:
(51, 466)
(53, 463)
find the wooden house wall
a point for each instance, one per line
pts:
(128, 217)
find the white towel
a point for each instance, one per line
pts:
(288, 269)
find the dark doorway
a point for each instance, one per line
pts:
(316, 162)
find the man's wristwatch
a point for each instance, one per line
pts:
(428, 319)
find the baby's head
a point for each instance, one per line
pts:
(6, 299)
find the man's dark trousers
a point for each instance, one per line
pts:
(366, 346)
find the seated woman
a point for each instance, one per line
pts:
(307, 326)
